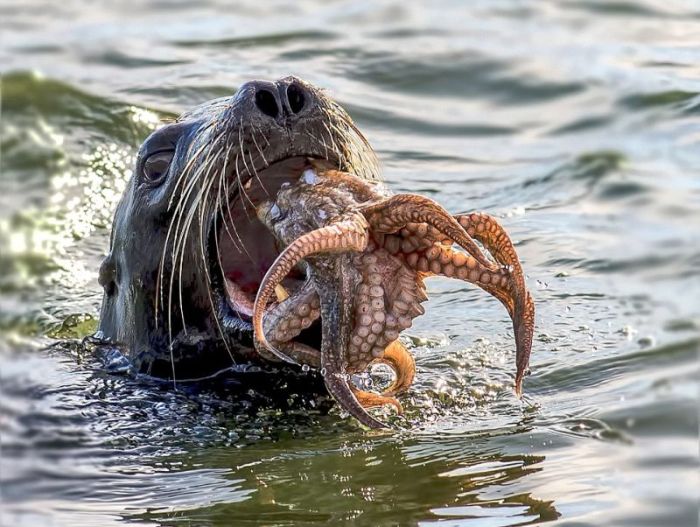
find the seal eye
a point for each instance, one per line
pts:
(155, 167)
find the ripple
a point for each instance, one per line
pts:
(257, 41)
(673, 98)
(618, 8)
(597, 371)
(119, 58)
(74, 110)
(391, 120)
(582, 125)
(461, 75)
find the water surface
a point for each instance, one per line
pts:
(576, 123)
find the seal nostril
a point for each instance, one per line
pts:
(295, 96)
(266, 103)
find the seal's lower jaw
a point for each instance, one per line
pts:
(241, 249)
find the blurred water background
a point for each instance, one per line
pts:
(576, 122)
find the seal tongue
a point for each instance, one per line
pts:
(245, 246)
(240, 301)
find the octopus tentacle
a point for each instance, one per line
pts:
(334, 364)
(285, 320)
(372, 399)
(398, 358)
(344, 236)
(358, 186)
(523, 329)
(396, 212)
(301, 353)
(426, 250)
(387, 300)
(443, 260)
(338, 386)
(502, 283)
(493, 236)
(411, 238)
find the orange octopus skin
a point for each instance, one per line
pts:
(367, 255)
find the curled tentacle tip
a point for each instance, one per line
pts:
(519, 384)
(378, 425)
(375, 400)
(372, 423)
(283, 356)
(264, 344)
(392, 401)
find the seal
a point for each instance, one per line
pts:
(187, 250)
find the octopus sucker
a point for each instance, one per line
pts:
(365, 255)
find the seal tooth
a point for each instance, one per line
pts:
(281, 293)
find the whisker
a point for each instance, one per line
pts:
(250, 172)
(161, 268)
(190, 163)
(172, 364)
(226, 195)
(242, 189)
(334, 146)
(233, 223)
(202, 235)
(183, 176)
(186, 233)
(256, 175)
(255, 142)
(181, 235)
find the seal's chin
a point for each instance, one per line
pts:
(243, 249)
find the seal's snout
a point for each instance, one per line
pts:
(283, 101)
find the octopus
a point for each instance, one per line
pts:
(363, 256)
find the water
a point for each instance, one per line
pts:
(577, 123)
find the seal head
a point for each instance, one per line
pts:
(187, 251)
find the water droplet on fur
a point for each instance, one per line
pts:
(275, 212)
(309, 176)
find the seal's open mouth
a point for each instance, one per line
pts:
(242, 249)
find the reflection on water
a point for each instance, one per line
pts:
(575, 123)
